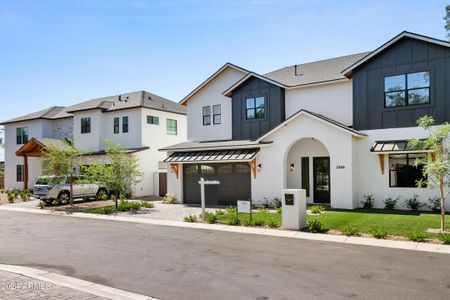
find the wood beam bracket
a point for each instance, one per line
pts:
(381, 158)
(176, 169)
(252, 165)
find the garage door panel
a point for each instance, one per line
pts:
(235, 183)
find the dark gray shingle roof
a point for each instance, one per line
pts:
(111, 103)
(315, 72)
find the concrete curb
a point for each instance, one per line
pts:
(74, 283)
(435, 248)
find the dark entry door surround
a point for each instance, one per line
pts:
(321, 175)
(235, 183)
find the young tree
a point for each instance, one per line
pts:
(119, 172)
(447, 20)
(61, 159)
(437, 167)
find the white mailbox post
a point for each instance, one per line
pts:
(202, 183)
(293, 215)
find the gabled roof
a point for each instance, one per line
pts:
(34, 147)
(106, 104)
(316, 72)
(348, 71)
(210, 78)
(245, 78)
(316, 116)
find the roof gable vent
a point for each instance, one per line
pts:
(296, 71)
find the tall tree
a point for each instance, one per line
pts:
(436, 169)
(61, 159)
(119, 171)
(447, 20)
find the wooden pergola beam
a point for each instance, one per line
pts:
(381, 159)
(252, 165)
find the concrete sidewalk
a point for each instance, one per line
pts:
(406, 245)
(25, 283)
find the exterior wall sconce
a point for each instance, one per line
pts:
(292, 167)
(259, 167)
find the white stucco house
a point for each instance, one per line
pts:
(139, 121)
(337, 127)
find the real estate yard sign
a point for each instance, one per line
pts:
(244, 207)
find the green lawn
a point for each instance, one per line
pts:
(396, 222)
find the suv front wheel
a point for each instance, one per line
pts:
(64, 198)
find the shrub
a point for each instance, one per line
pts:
(11, 197)
(105, 196)
(169, 199)
(389, 203)
(220, 212)
(147, 204)
(125, 205)
(249, 222)
(279, 210)
(277, 203)
(368, 201)
(378, 233)
(317, 209)
(113, 197)
(107, 210)
(233, 220)
(41, 204)
(210, 217)
(417, 236)
(122, 197)
(444, 238)
(349, 230)
(24, 196)
(190, 218)
(258, 222)
(231, 210)
(272, 222)
(315, 226)
(435, 204)
(413, 203)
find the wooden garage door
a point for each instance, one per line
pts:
(234, 184)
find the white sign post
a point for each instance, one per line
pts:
(202, 183)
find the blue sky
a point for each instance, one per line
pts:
(62, 52)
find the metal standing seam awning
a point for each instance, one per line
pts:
(390, 147)
(213, 156)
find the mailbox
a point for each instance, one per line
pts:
(293, 214)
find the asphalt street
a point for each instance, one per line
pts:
(182, 263)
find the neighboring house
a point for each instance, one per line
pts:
(140, 121)
(337, 127)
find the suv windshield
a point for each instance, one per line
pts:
(43, 180)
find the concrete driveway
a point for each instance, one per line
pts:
(182, 263)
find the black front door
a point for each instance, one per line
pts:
(321, 179)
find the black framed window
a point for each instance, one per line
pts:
(85, 125)
(402, 172)
(171, 126)
(217, 117)
(206, 113)
(153, 120)
(305, 174)
(407, 89)
(124, 124)
(19, 173)
(21, 135)
(116, 125)
(255, 108)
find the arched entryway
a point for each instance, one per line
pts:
(308, 167)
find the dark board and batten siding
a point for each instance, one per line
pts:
(407, 55)
(244, 129)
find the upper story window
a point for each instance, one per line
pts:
(217, 114)
(124, 124)
(85, 125)
(116, 125)
(171, 126)
(255, 108)
(407, 89)
(22, 135)
(206, 113)
(402, 172)
(153, 120)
